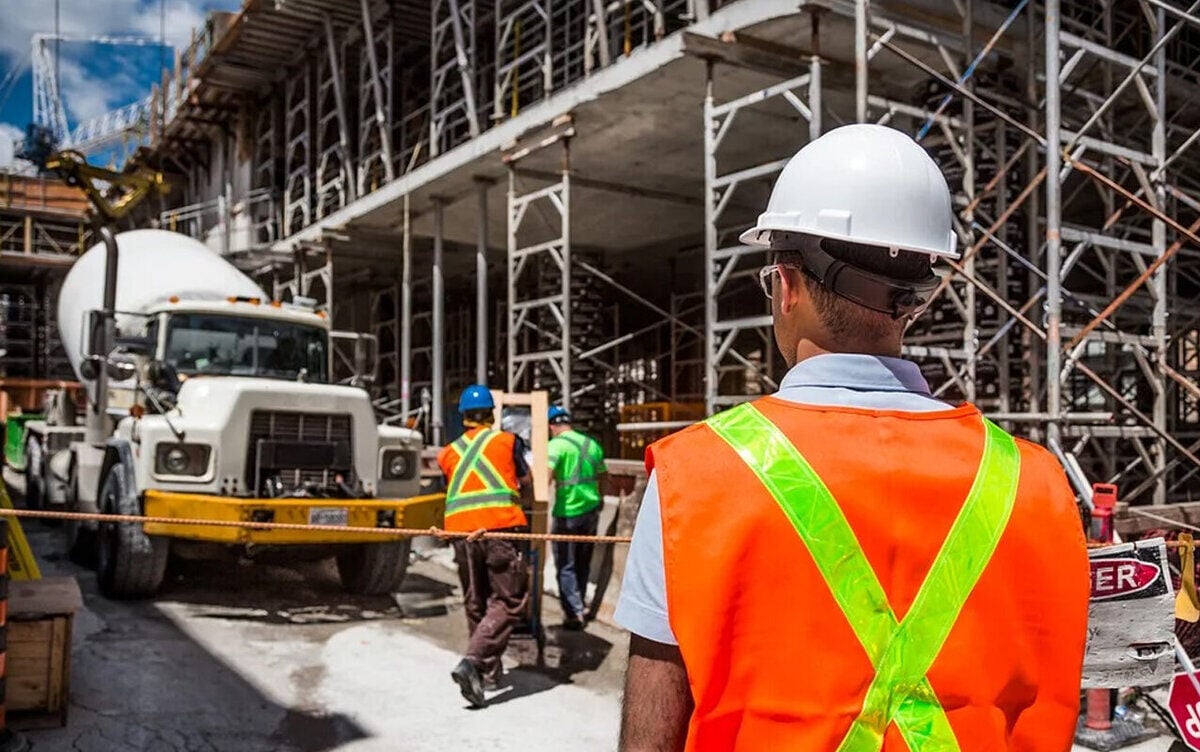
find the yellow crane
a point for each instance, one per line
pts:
(112, 194)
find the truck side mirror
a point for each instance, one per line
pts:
(88, 371)
(136, 345)
(95, 333)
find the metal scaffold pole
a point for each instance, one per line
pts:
(565, 210)
(439, 315)
(406, 313)
(1053, 225)
(1158, 238)
(860, 60)
(481, 292)
(710, 246)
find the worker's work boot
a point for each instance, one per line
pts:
(469, 682)
(573, 624)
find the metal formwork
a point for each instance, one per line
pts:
(739, 351)
(539, 282)
(454, 108)
(376, 92)
(298, 150)
(334, 174)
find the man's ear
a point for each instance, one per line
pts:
(792, 285)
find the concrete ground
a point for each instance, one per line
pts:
(273, 657)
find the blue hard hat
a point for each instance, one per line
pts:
(558, 414)
(476, 397)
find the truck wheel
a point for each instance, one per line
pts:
(374, 568)
(34, 493)
(130, 564)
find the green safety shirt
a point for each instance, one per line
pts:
(576, 461)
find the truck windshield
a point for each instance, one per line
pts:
(214, 345)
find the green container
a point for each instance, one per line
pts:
(14, 439)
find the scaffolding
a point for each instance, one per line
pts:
(1065, 130)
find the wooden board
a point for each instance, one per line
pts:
(1131, 617)
(539, 522)
(40, 616)
(1131, 522)
(50, 596)
(24, 193)
(38, 665)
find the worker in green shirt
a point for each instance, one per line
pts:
(577, 465)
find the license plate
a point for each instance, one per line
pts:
(328, 516)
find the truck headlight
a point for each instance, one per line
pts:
(181, 459)
(398, 465)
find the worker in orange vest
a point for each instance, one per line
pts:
(851, 564)
(486, 474)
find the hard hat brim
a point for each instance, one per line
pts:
(760, 236)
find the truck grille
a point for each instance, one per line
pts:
(287, 445)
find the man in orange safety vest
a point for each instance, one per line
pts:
(486, 472)
(851, 564)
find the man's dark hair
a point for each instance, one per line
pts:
(844, 318)
(483, 416)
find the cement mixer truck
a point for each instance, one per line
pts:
(215, 404)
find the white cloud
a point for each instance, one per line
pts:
(86, 90)
(181, 18)
(23, 18)
(89, 94)
(9, 134)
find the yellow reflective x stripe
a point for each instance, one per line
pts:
(584, 459)
(475, 461)
(900, 652)
(964, 555)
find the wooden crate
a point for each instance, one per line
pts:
(40, 616)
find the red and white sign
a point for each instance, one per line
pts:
(1185, 709)
(1112, 578)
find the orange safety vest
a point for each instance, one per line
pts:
(781, 520)
(482, 477)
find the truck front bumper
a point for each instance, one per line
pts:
(416, 512)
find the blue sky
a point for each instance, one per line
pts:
(94, 78)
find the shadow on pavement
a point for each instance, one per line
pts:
(139, 682)
(567, 653)
(281, 592)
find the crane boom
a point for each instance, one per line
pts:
(130, 187)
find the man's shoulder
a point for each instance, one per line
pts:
(1036, 457)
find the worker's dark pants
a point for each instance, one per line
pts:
(574, 560)
(495, 592)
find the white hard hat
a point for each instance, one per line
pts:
(865, 184)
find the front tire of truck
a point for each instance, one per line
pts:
(34, 492)
(130, 564)
(374, 568)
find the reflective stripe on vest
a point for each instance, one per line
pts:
(473, 460)
(584, 459)
(901, 652)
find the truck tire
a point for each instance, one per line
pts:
(35, 494)
(130, 564)
(374, 568)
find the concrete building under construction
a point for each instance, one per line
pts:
(548, 194)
